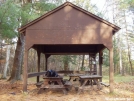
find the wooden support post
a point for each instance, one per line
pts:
(111, 71)
(46, 58)
(45, 63)
(90, 63)
(25, 74)
(38, 63)
(100, 64)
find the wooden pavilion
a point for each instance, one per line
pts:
(68, 29)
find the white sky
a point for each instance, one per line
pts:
(99, 3)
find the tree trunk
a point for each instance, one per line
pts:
(17, 65)
(120, 56)
(82, 65)
(65, 65)
(7, 62)
(79, 62)
(128, 46)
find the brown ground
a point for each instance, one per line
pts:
(8, 92)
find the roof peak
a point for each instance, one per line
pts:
(68, 3)
(21, 30)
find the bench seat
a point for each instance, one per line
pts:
(53, 86)
(38, 84)
(106, 85)
(68, 83)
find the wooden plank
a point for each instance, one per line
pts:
(53, 86)
(91, 77)
(64, 71)
(35, 74)
(68, 83)
(38, 84)
(75, 72)
(52, 78)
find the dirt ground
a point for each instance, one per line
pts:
(13, 92)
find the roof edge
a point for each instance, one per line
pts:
(95, 16)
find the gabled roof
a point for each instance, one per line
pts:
(22, 29)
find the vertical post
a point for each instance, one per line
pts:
(45, 62)
(46, 58)
(100, 64)
(38, 54)
(25, 71)
(111, 71)
(90, 64)
(46, 65)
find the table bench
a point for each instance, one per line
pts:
(53, 83)
(91, 78)
(38, 84)
(106, 85)
(37, 74)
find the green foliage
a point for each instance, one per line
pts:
(115, 55)
(123, 4)
(86, 4)
(13, 15)
(116, 52)
(127, 4)
(106, 57)
(8, 19)
(29, 11)
(69, 59)
(82, 68)
(120, 78)
(43, 6)
(26, 14)
(130, 3)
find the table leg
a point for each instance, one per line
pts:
(98, 84)
(46, 82)
(41, 88)
(81, 88)
(69, 78)
(92, 81)
(63, 89)
(59, 83)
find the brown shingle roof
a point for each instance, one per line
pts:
(22, 29)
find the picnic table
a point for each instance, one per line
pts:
(53, 83)
(92, 78)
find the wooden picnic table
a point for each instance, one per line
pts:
(92, 78)
(52, 83)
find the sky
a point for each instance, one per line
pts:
(99, 3)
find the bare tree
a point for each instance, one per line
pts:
(4, 75)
